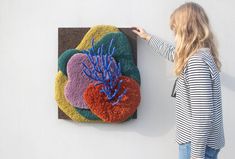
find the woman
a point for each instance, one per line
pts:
(199, 120)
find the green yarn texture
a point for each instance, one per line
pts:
(87, 114)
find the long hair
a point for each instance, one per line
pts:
(192, 31)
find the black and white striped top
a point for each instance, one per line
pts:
(199, 118)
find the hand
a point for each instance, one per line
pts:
(141, 33)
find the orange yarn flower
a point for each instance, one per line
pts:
(103, 108)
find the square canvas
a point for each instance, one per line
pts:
(98, 79)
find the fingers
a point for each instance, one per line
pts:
(136, 32)
(140, 32)
(137, 28)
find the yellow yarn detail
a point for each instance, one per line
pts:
(65, 106)
(96, 32)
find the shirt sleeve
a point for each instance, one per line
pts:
(162, 47)
(200, 87)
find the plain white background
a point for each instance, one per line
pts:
(29, 128)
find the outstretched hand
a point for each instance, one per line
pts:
(141, 33)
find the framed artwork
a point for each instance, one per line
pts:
(97, 79)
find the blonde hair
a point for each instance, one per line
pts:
(192, 31)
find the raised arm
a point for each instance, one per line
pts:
(162, 47)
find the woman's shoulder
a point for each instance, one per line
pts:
(201, 54)
(202, 59)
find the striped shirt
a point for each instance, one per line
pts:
(199, 118)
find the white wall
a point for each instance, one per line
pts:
(29, 127)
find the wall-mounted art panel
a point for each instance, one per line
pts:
(98, 79)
